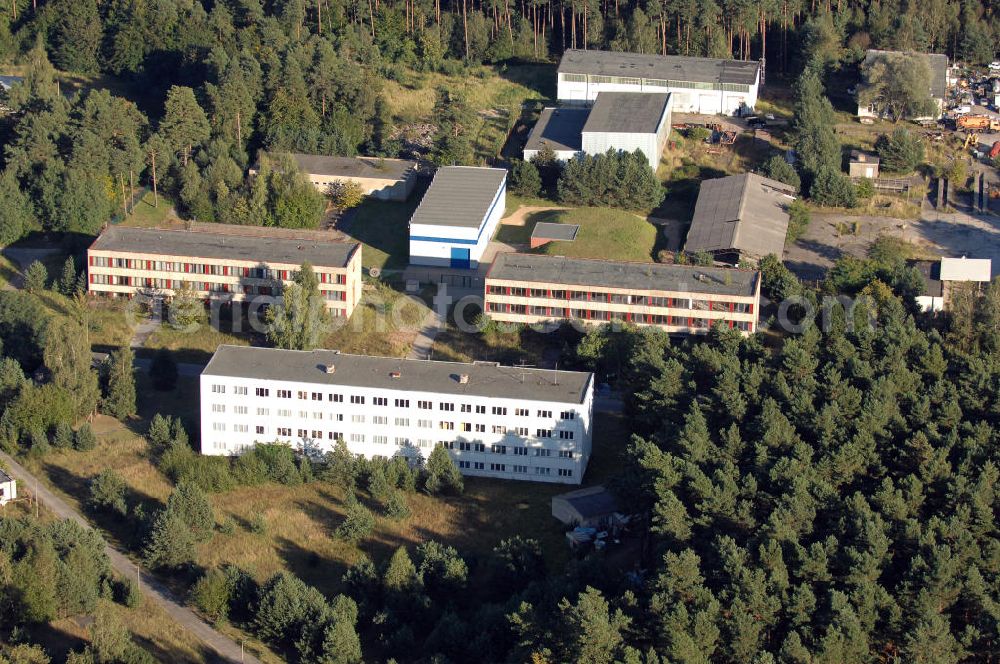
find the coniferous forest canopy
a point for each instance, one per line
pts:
(830, 498)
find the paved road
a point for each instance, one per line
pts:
(226, 648)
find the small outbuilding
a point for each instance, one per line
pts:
(384, 179)
(931, 298)
(628, 121)
(559, 130)
(545, 232)
(592, 507)
(740, 217)
(941, 278)
(8, 488)
(862, 165)
(457, 217)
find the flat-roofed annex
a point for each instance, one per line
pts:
(485, 379)
(459, 196)
(596, 273)
(627, 112)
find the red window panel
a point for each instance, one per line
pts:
(90, 259)
(91, 278)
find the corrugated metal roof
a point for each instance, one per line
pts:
(744, 212)
(459, 196)
(274, 247)
(937, 62)
(669, 67)
(365, 371)
(562, 270)
(966, 269)
(627, 112)
(559, 129)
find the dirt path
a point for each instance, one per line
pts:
(519, 218)
(228, 649)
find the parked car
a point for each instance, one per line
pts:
(995, 65)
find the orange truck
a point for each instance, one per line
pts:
(978, 122)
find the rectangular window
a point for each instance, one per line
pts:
(466, 426)
(402, 422)
(466, 407)
(425, 424)
(302, 433)
(334, 435)
(402, 403)
(260, 429)
(539, 470)
(447, 426)
(498, 467)
(357, 399)
(317, 435)
(542, 452)
(284, 431)
(522, 431)
(240, 410)
(336, 398)
(479, 447)
(566, 435)
(478, 465)
(317, 396)
(565, 472)
(380, 401)
(543, 433)
(499, 428)
(219, 426)
(380, 419)
(303, 394)
(447, 444)
(567, 415)
(464, 465)
(219, 389)
(480, 428)
(358, 419)
(218, 408)
(574, 78)
(317, 415)
(521, 412)
(498, 449)
(545, 413)
(284, 394)
(465, 447)
(565, 454)
(444, 405)
(481, 410)
(381, 440)
(262, 391)
(426, 405)
(284, 412)
(499, 410)
(357, 437)
(519, 451)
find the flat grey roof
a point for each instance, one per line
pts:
(486, 379)
(862, 157)
(930, 272)
(668, 67)
(272, 247)
(459, 196)
(590, 272)
(744, 212)
(937, 62)
(354, 167)
(559, 129)
(627, 112)
(590, 502)
(548, 231)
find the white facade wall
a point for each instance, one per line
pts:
(700, 98)
(651, 144)
(488, 437)
(561, 155)
(433, 245)
(8, 490)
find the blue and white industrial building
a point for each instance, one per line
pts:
(457, 217)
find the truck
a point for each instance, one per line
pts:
(973, 122)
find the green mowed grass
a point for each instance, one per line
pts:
(146, 215)
(384, 323)
(604, 233)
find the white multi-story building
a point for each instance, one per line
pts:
(697, 85)
(457, 217)
(502, 422)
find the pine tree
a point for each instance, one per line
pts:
(184, 122)
(170, 544)
(107, 491)
(443, 476)
(298, 322)
(190, 504)
(84, 440)
(119, 402)
(63, 438)
(35, 277)
(400, 574)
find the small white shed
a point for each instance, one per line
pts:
(8, 488)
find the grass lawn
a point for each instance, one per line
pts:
(144, 215)
(382, 229)
(109, 324)
(199, 344)
(385, 323)
(604, 233)
(8, 272)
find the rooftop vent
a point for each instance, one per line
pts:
(331, 368)
(394, 375)
(463, 379)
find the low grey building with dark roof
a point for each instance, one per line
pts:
(680, 299)
(457, 216)
(699, 85)
(384, 179)
(937, 63)
(592, 507)
(740, 216)
(496, 421)
(622, 121)
(559, 130)
(220, 262)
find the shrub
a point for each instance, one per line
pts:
(865, 189)
(358, 523)
(258, 525)
(396, 507)
(798, 220)
(345, 194)
(128, 593)
(170, 543)
(443, 475)
(84, 440)
(212, 594)
(227, 526)
(779, 169)
(159, 430)
(833, 189)
(191, 504)
(38, 443)
(698, 134)
(107, 492)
